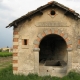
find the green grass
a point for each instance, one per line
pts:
(5, 64)
(6, 74)
(5, 54)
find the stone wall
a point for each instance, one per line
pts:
(24, 59)
(76, 55)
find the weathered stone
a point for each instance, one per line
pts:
(46, 32)
(46, 37)
(36, 59)
(36, 42)
(40, 36)
(65, 36)
(78, 37)
(15, 58)
(15, 43)
(59, 32)
(52, 30)
(78, 46)
(36, 49)
(69, 49)
(69, 42)
(15, 36)
(15, 50)
(69, 67)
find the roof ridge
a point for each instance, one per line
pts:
(26, 16)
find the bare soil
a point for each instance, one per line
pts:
(5, 61)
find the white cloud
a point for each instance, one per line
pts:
(0, 0)
(21, 7)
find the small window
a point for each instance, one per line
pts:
(24, 42)
(52, 12)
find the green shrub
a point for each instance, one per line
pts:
(0, 50)
(5, 54)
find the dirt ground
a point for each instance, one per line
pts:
(5, 61)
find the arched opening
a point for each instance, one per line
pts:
(53, 51)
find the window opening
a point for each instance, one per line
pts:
(25, 41)
(52, 12)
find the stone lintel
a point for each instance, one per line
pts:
(25, 46)
(25, 37)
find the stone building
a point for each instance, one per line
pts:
(46, 41)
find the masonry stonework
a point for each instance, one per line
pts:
(32, 43)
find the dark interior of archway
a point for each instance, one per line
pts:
(53, 51)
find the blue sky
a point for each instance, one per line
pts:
(13, 9)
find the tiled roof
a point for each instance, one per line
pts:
(50, 4)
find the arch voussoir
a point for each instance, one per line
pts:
(46, 32)
(53, 31)
(62, 34)
(43, 34)
(65, 36)
(69, 48)
(39, 36)
(59, 32)
(36, 42)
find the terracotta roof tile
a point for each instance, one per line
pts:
(15, 22)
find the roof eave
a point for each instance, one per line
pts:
(14, 23)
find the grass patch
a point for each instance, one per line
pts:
(5, 64)
(6, 74)
(72, 76)
(5, 54)
(6, 71)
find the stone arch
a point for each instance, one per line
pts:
(46, 32)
